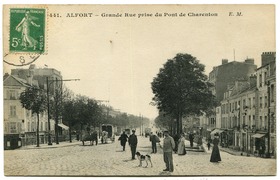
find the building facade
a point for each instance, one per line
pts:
(248, 111)
(19, 122)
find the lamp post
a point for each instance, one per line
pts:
(49, 82)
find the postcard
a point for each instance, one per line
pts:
(139, 90)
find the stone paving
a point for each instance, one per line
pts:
(73, 159)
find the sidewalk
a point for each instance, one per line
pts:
(227, 150)
(54, 145)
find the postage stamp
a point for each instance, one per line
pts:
(27, 30)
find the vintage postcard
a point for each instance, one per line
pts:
(139, 90)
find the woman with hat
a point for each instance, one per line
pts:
(215, 156)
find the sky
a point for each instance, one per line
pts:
(116, 58)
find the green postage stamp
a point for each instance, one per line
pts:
(27, 30)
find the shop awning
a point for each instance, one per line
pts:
(217, 131)
(258, 135)
(63, 126)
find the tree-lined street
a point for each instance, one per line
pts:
(110, 160)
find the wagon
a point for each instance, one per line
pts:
(107, 133)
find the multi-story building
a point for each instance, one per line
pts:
(248, 111)
(222, 77)
(19, 122)
(227, 73)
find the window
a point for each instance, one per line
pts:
(254, 102)
(265, 101)
(28, 126)
(260, 80)
(13, 111)
(261, 122)
(46, 126)
(272, 93)
(249, 121)
(260, 102)
(13, 127)
(32, 126)
(12, 94)
(244, 103)
(249, 103)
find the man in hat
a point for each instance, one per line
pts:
(168, 146)
(132, 141)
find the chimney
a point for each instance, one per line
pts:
(5, 76)
(249, 61)
(253, 81)
(268, 57)
(224, 61)
(30, 74)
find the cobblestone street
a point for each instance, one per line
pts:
(110, 160)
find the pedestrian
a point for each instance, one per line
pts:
(181, 145)
(176, 139)
(132, 141)
(208, 145)
(191, 139)
(123, 139)
(168, 146)
(215, 156)
(154, 140)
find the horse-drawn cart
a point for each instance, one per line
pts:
(89, 136)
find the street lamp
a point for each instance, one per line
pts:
(48, 99)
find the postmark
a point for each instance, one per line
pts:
(27, 30)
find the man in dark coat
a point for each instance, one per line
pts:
(191, 139)
(123, 138)
(132, 141)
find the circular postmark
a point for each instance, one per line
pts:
(20, 59)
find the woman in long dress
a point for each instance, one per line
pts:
(181, 145)
(215, 156)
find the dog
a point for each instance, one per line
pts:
(144, 158)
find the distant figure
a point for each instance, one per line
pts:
(154, 140)
(123, 138)
(168, 146)
(181, 145)
(208, 145)
(191, 139)
(176, 139)
(95, 137)
(132, 141)
(215, 156)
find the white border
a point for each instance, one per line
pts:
(276, 2)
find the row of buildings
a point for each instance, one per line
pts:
(18, 121)
(246, 115)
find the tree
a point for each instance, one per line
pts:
(164, 121)
(70, 115)
(181, 88)
(34, 99)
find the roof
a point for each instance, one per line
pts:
(8, 81)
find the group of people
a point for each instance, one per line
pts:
(168, 146)
(132, 141)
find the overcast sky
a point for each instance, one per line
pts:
(117, 58)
